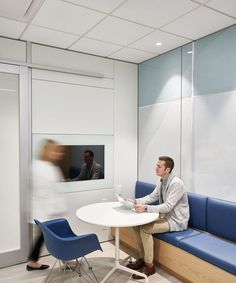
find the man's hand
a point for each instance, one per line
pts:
(140, 208)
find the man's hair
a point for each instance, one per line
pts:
(169, 162)
(91, 154)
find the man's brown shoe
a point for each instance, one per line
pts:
(145, 270)
(139, 263)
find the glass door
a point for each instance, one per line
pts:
(14, 164)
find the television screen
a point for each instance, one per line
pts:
(83, 162)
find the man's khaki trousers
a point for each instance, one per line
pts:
(145, 240)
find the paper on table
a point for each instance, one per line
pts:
(126, 203)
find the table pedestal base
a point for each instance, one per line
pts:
(117, 261)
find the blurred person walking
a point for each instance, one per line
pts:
(47, 202)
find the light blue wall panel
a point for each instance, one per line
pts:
(199, 131)
(160, 79)
(159, 112)
(215, 63)
(187, 70)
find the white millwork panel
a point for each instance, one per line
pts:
(12, 50)
(14, 164)
(9, 165)
(64, 108)
(77, 200)
(93, 102)
(125, 128)
(53, 57)
(214, 151)
(159, 134)
(186, 140)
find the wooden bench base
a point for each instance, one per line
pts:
(181, 264)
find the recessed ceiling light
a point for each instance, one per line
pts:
(158, 43)
(190, 52)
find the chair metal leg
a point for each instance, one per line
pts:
(47, 278)
(91, 269)
(77, 267)
(64, 270)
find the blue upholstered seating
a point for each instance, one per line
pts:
(212, 249)
(221, 218)
(198, 208)
(142, 189)
(64, 245)
(174, 238)
(211, 234)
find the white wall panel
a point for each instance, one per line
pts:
(12, 50)
(159, 134)
(186, 143)
(214, 151)
(60, 108)
(72, 79)
(125, 128)
(77, 200)
(53, 57)
(9, 164)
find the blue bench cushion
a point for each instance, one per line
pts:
(142, 189)
(221, 218)
(198, 208)
(212, 249)
(175, 237)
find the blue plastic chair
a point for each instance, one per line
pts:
(64, 245)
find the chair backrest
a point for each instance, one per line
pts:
(63, 244)
(60, 227)
(52, 231)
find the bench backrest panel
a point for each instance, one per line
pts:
(221, 218)
(142, 189)
(198, 210)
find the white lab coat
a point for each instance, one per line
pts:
(47, 201)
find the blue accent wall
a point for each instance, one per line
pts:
(215, 63)
(187, 105)
(160, 79)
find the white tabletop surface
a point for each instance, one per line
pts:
(113, 214)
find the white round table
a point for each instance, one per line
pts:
(113, 214)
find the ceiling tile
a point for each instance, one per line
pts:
(49, 37)
(93, 46)
(191, 27)
(118, 31)
(66, 17)
(132, 55)
(202, 1)
(11, 28)
(14, 8)
(227, 6)
(101, 5)
(169, 41)
(154, 13)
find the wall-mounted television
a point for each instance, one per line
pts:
(77, 151)
(83, 162)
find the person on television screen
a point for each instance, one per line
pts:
(173, 211)
(90, 170)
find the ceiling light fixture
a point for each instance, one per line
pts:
(158, 43)
(190, 52)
